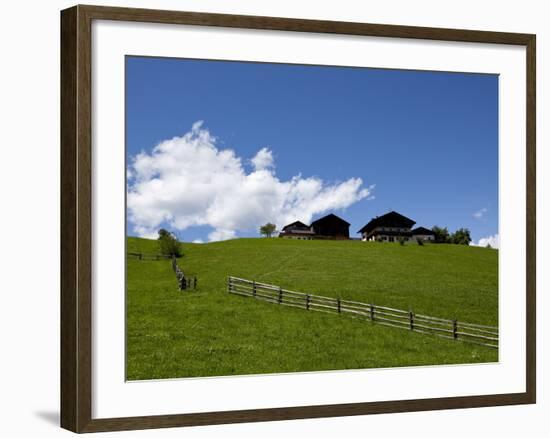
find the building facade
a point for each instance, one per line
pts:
(390, 227)
(329, 227)
(297, 230)
(423, 234)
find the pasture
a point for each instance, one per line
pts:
(207, 332)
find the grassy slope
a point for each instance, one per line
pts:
(208, 332)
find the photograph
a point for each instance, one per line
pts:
(287, 218)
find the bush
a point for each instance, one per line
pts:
(169, 244)
(419, 241)
(401, 241)
(461, 236)
(441, 234)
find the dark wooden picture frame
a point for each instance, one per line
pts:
(76, 218)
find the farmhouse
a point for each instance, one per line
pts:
(327, 227)
(297, 230)
(391, 227)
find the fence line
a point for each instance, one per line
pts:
(447, 328)
(144, 256)
(183, 281)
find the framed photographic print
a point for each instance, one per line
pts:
(270, 218)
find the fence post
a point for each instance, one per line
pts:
(280, 295)
(254, 288)
(371, 312)
(338, 303)
(194, 282)
(140, 256)
(455, 329)
(411, 320)
(228, 284)
(307, 301)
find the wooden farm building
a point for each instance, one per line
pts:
(389, 227)
(297, 230)
(327, 227)
(422, 234)
(331, 226)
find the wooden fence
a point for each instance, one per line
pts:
(184, 282)
(446, 328)
(148, 257)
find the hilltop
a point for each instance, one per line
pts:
(208, 332)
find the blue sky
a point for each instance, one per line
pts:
(427, 141)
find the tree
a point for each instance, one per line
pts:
(163, 233)
(268, 229)
(461, 237)
(441, 234)
(169, 243)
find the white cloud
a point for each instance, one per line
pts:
(188, 181)
(494, 241)
(480, 213)
(263, 159)
(221, 234)
(198, 241)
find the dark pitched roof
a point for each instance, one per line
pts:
(422, 231)
(329, 218)
(391, 219)
(296, 224)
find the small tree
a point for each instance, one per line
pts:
(441, 234)
(169, 243)
(461, 237)
(419, 241)
(401, 240)
(268, 229)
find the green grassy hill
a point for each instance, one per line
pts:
(209, 332)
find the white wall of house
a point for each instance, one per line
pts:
(423, 237)
(296, 237)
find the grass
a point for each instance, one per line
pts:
(208, 332)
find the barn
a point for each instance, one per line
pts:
(327, 227)
(422, 233)
(331, 227)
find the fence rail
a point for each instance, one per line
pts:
(148, 257)
(446, 328)
(184, 282)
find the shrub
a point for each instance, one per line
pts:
(169, 244)
(461, 236)
(441, 234)
(419, 241)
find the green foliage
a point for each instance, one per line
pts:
(461, 237)
(268, 229)
(419, 241)
(169, 243)
(401, 240)
(441, 234)
(209, 332)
